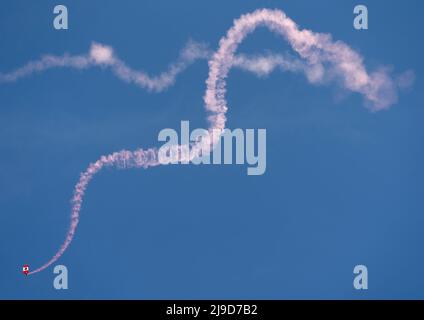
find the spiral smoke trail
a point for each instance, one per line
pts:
(324, 61)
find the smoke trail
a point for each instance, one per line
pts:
(103, 56)
(325, 60)
(123, 159)
(262, 65)
(319, 51)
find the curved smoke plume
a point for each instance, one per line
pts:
(322, 61)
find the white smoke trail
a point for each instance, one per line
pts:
(123, 159)
(262, 65)
(324, 60)
(317, 49)
(103, 56)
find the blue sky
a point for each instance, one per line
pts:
(343, 186)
